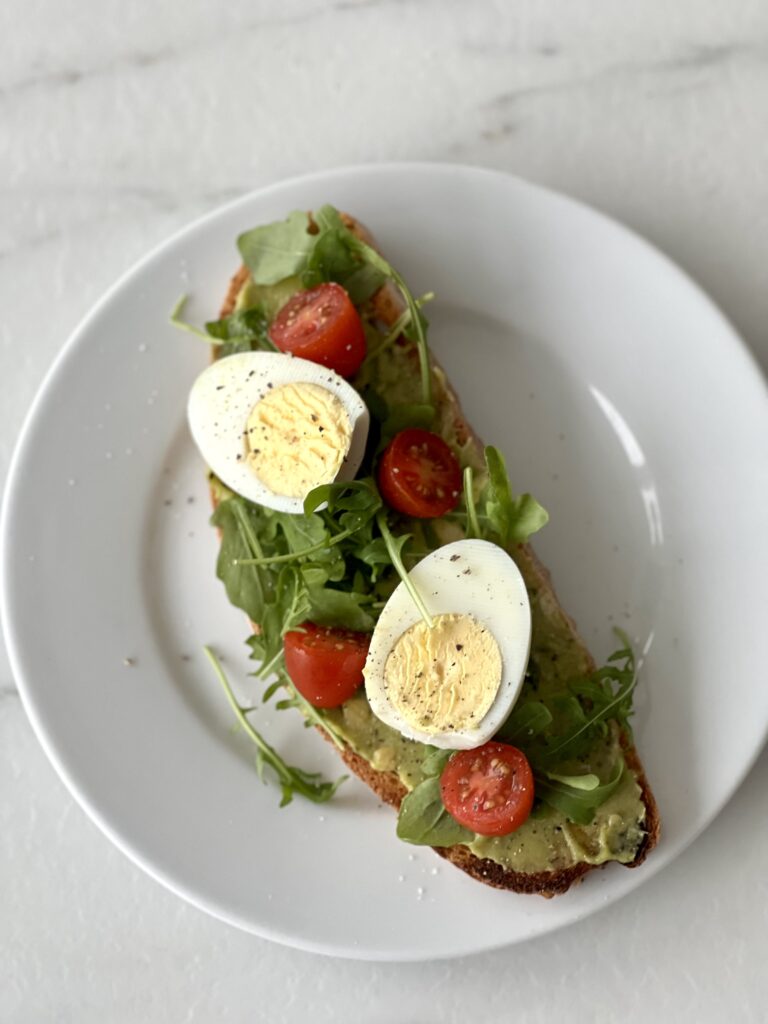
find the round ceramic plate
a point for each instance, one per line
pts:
(622, 399)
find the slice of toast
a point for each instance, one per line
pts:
(386, 784)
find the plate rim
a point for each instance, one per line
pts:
(14, 641)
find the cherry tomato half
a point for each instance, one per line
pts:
(325, 664)
(488, 790)
(321, 324)
(419, 475)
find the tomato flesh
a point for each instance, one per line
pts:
(325, 664)
(488, 790)
(419, 475)
(322, 324)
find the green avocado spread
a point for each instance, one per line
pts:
(548, 840)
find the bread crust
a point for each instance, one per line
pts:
(387, 785)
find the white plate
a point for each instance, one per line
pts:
(623, 400)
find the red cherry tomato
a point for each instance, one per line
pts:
(419, 475)
(488, 790)
(322, 325)
(325, 664)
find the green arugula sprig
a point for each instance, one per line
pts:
(242, 331)
(473, 525)
(394, 548)
(497, 515)
(176, 319)
(592, 702)
(577, 796)
(292, 780)
(416, 328)
(398, 327)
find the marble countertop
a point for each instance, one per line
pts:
(120, 122)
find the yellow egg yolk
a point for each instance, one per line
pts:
(446, 677)
(297, 437)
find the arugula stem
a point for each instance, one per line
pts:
(381, 520)
(392, 336)
(312, 714)
(469, 501)
(292, 780)
(271, 560)
(270, 665)
(271, 755)
(418, 328)
(175, 319)
(397, 328)
(252, 540)
(421, 340)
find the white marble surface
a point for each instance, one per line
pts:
(119, 122)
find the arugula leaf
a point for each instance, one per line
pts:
(586, 781)
(289, 605)
(329, 607)
(244, 331)
(292, 780)
(406, 415)
(328, 218)
(376, 555)
(276, 251)
(352, 495)
(513, 520)
(333, 259)
(424, 821)
(436, 760)
(247, 587)
(603, 696)
(526, 721)
(576, 801)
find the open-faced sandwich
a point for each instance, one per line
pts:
(382, 557)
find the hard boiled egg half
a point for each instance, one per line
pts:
(272, 426)
(453, 682)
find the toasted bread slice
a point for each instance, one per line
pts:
(387, 784)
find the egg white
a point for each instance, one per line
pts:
(222, 398)
(470, 577)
